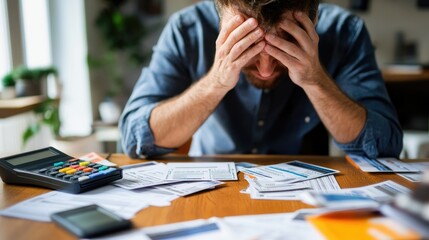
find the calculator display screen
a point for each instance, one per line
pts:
(91, 219)
(31, 157)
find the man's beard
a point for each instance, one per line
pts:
(264, 84)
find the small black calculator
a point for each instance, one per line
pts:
(90, 221)
(51, 168)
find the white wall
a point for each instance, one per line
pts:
(69, 52)
(172, 6)
(386, 17)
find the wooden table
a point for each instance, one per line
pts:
(223, 201)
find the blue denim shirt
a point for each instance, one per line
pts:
(251, 120)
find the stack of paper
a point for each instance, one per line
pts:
(415, 176)
(178, 178)
(367, 197)
(285, 181)
(381, 164)
(265, 226)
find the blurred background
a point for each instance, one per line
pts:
(85, 57)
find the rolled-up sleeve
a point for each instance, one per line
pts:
(362, 81)
(165, 77)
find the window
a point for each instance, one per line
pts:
(5, 59)
(37, 42)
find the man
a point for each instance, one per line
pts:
(268, 77)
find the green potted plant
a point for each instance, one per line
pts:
(8, 83)
(32, 81)
(46, 114)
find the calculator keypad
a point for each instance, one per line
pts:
(76, 170)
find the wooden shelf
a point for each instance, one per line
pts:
(402, 76)
(11, 107)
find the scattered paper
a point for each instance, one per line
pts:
(380, 164)
(322, 184)
(290, 172)
(282, 226)
(370, 196)
(415, 177)
(271, 186)
(187, 188)
(197, 171)
(41, 207)
(142, 175)
(244, 165)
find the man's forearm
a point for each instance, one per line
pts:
(343, 117)
(174, 121)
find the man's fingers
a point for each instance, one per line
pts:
(308, 26)
(286, 59)
(249, 54)
(244, 43)
(239, 33)
(286, 46)
(227, 28)
(298, 33)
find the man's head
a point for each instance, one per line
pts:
(264, 71)
(269, 12)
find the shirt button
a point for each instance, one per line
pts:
(261, 123)
(254, 150)
(266, 91)
(307, 119)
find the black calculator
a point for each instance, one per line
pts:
(51, 168)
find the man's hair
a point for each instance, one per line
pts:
(269, 12)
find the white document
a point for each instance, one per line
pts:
(272, 186)
(243, 165)
(155, 197)
(41, 207)
(198, 171)
(190, 230)
(278, 226)
(142, 175)
(322, 184)
(415, 177)
(370, 196)
(281, 226)
(187, 188)
(380, 192)
(381, 164)
(290, 172)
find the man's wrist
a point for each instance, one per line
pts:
(212, 86)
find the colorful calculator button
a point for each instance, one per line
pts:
(88, 169)
(60, 175)
(65, 169)
(83, 164)
(74, 178)
(71, 171)
(83, 178)
(58, 164)
(103, 168)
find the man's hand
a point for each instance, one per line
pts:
(236, 45)
(301, 55)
